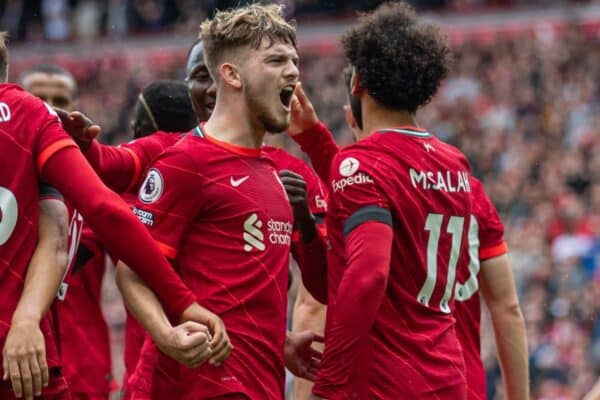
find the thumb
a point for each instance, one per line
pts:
(93, 131)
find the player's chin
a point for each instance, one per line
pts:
(278, 124)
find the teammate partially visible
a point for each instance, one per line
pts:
(33, 145)
(84, 338)
(162, 106)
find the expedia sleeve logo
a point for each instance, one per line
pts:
(348, 170)
(152, 187)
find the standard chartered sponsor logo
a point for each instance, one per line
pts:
(278, 233)
(253, 236)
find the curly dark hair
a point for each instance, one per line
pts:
(400, 60)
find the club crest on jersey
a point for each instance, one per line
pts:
(152, 187)
(349, 166)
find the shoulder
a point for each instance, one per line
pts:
(285, 160)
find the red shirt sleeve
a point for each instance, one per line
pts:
(110, 218)
(320, 146)
(168, 200)
(359, 204)
(312, 262)
(368, 248)
(490, 227)
(118, 167)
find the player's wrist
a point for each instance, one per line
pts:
(28, 317)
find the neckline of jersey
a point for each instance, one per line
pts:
(407, 130)
(200, 130)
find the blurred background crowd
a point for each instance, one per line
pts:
(524, 105)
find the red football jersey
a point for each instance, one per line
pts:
(221, 213)
(421, 187)
(30, 133)
(122, 168)
(485, 241)
(85, 343)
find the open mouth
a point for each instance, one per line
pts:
(285, 96)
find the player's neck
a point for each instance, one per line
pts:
(238, 130)
(377, 117)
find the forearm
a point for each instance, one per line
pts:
(47, 265)
(511, 342)
(141, 302)
(312, 261)
(308, 313)
(118, 228)
(115, 166)
(320, 146)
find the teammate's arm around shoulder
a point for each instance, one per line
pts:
(500, 296)
(24, 353)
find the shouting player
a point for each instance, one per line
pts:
(33, 144)
(230, 236)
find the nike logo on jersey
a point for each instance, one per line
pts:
(237, 182)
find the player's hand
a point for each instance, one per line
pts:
(79, 126)
(295, 187)
(303, 115)
(300, 358)
(24, 359)
(315, 397)
(187, 343)
(220, 344)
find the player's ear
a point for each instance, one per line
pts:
(355, 82)
(230, 74)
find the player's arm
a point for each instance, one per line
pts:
(108, 216)
(24, 354)
(118, 167)
(500, 296)
(368, 236)
(308, 314)
(309, 247)
(362, 288)
(313, 136)
(188, 343)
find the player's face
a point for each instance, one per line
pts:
(55, 89)
(269, 77)
(201, 87)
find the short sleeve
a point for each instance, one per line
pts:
(48, 192)
(51, 137)
(356, 196)
(490, 227)
(167, 201)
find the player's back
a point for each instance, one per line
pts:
(412, 350)
(29, 134)
(231, 247)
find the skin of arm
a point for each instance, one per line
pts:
(500, 296)
(24, 353)
(210, 339)
(308, 314)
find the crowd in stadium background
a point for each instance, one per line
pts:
(525, 109)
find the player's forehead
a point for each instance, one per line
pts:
(269, 47)
(196, 58)
(40, 80)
